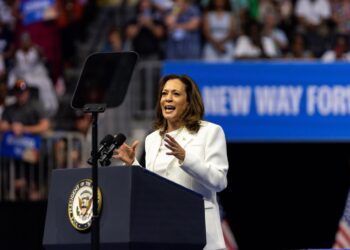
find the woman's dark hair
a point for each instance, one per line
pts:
(211, 5)
(139, 10)
(194, 112)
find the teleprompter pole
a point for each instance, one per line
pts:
(94, 109)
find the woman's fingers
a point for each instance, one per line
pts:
(170, 138)
(126, 153)
(172, 148)
(134, 145)
(171, 145)
(175, 147)
(117, 154)
(171, 141)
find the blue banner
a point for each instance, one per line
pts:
(37, 10)
(274, 101)
(25, 147)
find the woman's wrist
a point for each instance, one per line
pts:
(131, 162)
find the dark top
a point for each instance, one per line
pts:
(29, 114)
(146, 43)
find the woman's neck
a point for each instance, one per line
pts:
(173, 126)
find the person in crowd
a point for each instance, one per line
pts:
(265, 7)
(7, 16)
(163, 6)
(3, 96)
(183, 25)
(252, 44)
(313, 18)
(29, 66)
(219, 29)
(339, 52)
(7, 48)
(185, 149)
(25, 116)
(70, 120)
(239, 10)
(298, 48)
(341, 18)
(114, 42)
(145, 33)
(270, 29)
(285, 9)
(69, 22)
(44, 32)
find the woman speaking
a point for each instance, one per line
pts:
(185, 149)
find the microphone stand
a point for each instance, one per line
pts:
(94, 109)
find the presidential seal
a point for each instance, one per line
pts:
(80, 205)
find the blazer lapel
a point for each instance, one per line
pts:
(183, 138)
(154, 149)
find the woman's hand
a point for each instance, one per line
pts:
(176, 149)
(126, 153)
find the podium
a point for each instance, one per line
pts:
(140, 210)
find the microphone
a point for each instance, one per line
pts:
(118, 140)
(105, 143)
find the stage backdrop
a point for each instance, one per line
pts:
(274, 101)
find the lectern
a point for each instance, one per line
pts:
(140, 211)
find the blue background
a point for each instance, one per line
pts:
(253, 127)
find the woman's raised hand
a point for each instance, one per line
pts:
(175, 147)
(126, 153)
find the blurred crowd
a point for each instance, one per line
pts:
(40, 51)
(228, 30)
(38, 43)
(36, 52)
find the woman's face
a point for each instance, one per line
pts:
(181, 4)
(173, 100)
(115, 40)
(219, 4)
(145, 4)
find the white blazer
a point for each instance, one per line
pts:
(203, 171)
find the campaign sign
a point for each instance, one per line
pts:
(37, 10)
(274, 101)
(25, 147)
